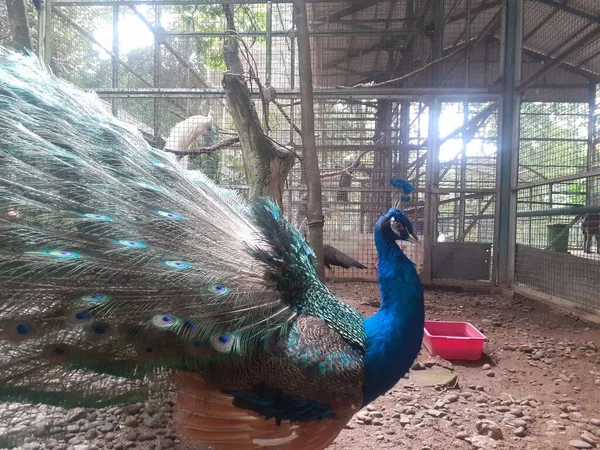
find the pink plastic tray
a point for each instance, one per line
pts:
(453, 340)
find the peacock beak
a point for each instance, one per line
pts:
(413, 238)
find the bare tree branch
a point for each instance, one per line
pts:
(203, 150)
(347, 170)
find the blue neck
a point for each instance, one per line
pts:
(395, 332)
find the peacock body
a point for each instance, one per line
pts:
(122, 278)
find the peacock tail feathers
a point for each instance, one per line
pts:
(117, 268)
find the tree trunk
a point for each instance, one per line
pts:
(17, 17)
(315, 218)
(265, 163)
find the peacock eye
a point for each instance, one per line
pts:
(94, 298)
(130, 243)
(23, 329)
(177, 265)
(101, 329)
(223, 343)
(98, 217)
(218, 289)
(169, 215)
(60, 254)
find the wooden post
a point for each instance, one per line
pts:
(310, 160)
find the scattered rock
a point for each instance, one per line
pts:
(482, 442)
(587, 437)
(76, 414)
(489, 428)
(520, 432)
(580, 444)
(131, 422)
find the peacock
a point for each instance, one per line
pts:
(334, 257)
(122, 278)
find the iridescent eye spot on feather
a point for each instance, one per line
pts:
(79, 317)
(157, 163)
(188, 325)
(101, 329)
(148, 186)
(164, 321)
(23, 330)
(97, 217)
(94, 298)
(177, 265)
(223, 343)
(130, 243)
(58, 350)
(169, 215)
(218, 289)
(59, 254)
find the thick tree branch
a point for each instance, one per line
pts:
(203, 150)
(265, 163)
(17, 18)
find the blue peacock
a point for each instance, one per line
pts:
(122, 278)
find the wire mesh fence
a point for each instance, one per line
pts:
(557, 197)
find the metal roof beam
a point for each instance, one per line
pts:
(571, 10)
(474, 11)
(554, 63)
(582, 72)
(354, 8)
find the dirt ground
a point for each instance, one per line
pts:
(538, 382)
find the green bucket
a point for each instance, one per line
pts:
(558, 237)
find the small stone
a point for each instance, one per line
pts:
(595, 422)
(486, 367)
(520, 423)
(489, 428)
(451, 398)
(72, 428)
(482, 442)
(575, 416)
(436, 413)
(131, 422)
(76, 440)
(520, 432)
(587, 437)
(462, 435)
(76, 414)
(579, 444)
(490, 373)
(91, 434)
(151, 408)
(517, 412)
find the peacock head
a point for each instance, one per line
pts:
(395, 226)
